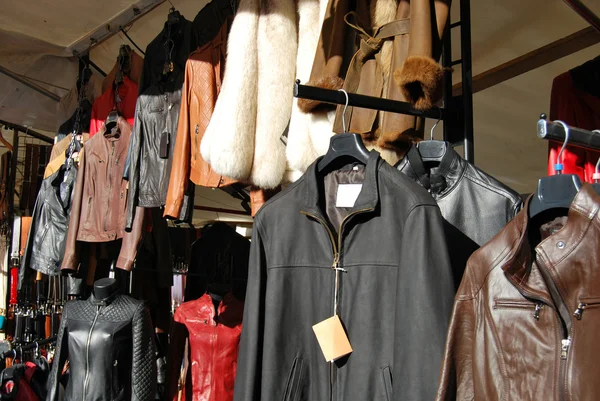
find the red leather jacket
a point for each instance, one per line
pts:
(103, 105)
(213, 348)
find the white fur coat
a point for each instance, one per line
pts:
(243, 139)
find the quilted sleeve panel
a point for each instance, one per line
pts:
(60, 357)
(143, 375)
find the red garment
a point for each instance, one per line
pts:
(103, 105)
(577, 109)
(213, 348)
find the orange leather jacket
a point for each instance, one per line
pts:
(525, 322)
(203, 74)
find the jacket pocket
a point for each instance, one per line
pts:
(292, 386)
(386, 376)
(584, 305)
(504, 303)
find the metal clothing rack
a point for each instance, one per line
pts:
(577, 137)
(27, 347)
(457, 112)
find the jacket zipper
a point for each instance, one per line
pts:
(87, 354)
(337, 248)
(516, 304)
(567, 321)
(585, 304)
(196, 147)
(110, 165)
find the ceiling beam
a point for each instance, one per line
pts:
(219, 210)
(28, 131)
(544, 55)
(585, 13)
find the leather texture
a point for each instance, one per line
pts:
(396, 285)
(157, 115)
(47, 237)
(118, 363)
(203, 73)
(519, 299)
(213, 347)
(99, 203)
(463, 191)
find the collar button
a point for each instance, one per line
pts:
(560, 244)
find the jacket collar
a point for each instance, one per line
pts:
(122, 142)
(560, 253)
(450, 169)
(367, 199)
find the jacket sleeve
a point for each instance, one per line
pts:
(178, 337)
(180, 170)
(456, 381)
(131, 241)
(143, 375)
(135, 146)
(249, 374)
(423, 305)
(60, 357)
(24, 272)
(71, 260)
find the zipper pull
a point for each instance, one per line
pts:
(564, 349)
(336, 261)
(579, 311)
(538, 308)
(196, 129)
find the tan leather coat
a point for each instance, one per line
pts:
(100, 198)
(203, 74)
(526, 321)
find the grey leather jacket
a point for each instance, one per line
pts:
(474, 205)
(157, 114)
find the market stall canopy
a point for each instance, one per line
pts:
(37, 42)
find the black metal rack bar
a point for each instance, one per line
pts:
(29, 346)
(577, 137)
(367, 102)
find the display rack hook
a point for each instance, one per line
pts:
(558, 167)
(345, 108)
(436, 124)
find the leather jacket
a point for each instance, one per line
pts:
(463, 191)
(155, 131)
(98, 212)
(526, 320)
(203, 72)
(395, 290)
(110, 348)
(50, 221)
(213, 348)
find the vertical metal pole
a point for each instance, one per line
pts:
(447, 63)
(13, 174)
(467, 77)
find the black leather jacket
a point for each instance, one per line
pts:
(475, 205)
(395, 291)
(110, 348)
(50, 221)
(156, 118)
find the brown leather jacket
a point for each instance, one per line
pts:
(525, 323)
(203, 73)
(99, 204)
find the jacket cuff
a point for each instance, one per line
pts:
(326, 82)
(420, 80)
(69, 263)
(125, 263)
(172, 210)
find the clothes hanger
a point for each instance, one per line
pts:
(432, 150)
(111, 122)
(174, 15)
(596, 176)
(556, 191)
(346, 145)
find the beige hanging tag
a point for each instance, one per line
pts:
(332, 338)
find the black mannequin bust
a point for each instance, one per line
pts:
(105, 289)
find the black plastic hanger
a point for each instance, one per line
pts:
(111, 121)
(556, 191)
(432, 150)
(346, 145)
(173, 17)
